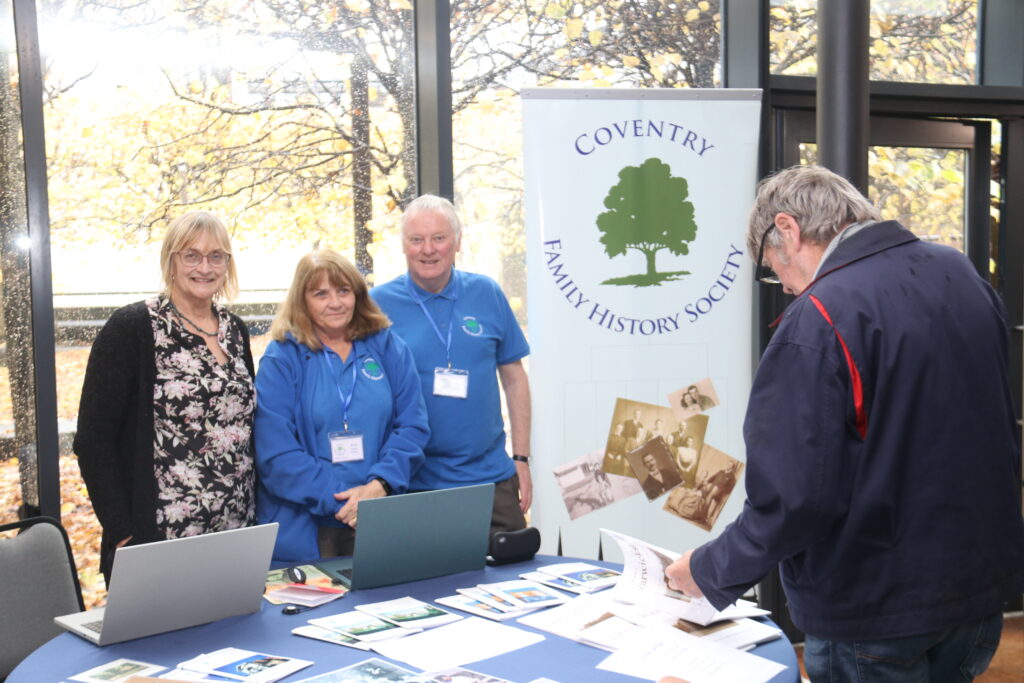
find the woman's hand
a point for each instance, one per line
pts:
(347, 513)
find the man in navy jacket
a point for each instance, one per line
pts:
(883, 455)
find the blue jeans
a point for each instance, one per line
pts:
(954, 654)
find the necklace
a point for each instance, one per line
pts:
(185, 318)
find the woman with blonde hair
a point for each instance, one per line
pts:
(340, 415)
(165, 420)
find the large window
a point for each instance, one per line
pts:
(923, 41)
(294, 121)
(498, 49)
(18, 456)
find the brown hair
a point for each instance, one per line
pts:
(186, 229)
(293, 315)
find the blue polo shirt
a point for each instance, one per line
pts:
(467, 436)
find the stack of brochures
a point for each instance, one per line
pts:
(575, 577)
(504, 600)
(235, 664)
(376, 621)
(316, 589)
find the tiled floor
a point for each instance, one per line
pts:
(1006, 667)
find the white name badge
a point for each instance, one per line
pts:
(346, 446)
(450, 382)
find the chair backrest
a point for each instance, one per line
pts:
(38, 581)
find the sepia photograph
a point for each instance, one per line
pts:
(717, 476)
(586, 487)
(693, 399)
(654, 467)
(635, 423)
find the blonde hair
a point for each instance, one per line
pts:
(185, 230)
(293, 316)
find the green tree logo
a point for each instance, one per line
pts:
(647, 211)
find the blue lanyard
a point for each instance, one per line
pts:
(451, 316)
(346, 401)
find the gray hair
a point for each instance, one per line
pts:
(821, 201)
(427, 203)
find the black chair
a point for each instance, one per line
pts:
(38, 581)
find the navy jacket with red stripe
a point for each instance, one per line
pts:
(883, 462)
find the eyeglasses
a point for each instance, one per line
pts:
(764, 274)
(216, 259)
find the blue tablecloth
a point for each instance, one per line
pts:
(269, 631)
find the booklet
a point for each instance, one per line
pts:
(362, 626)
(464, 676)
(479, 608)
(496, 601)
(245, 665)
(554, 582)
(590, 576)
(372, 669)
(326, 634)
(118, 670)
(643, 582)
(317, 589)
(524, 594)
(409, 611)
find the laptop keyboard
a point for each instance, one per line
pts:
(96, 626)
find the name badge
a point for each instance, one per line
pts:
(450, 382)
(346, 446)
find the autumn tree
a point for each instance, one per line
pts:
(648, 212)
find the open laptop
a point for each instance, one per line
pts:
(167, 585)
(417, 536)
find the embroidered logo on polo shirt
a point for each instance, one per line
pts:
(471, 326)
(372, 369)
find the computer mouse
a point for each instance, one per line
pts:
(295, 575)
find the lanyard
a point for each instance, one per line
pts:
(451, 316)
(346, 401)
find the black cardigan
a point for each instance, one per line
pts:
(114, 439)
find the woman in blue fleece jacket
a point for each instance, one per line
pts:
(340, 414)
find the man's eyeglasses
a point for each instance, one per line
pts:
(764, 274)
(216, 259)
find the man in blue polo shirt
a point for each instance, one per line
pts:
(464, 336)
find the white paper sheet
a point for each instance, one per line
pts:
(457, 644)
(661, 651)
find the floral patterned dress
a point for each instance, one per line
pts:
(202, 418)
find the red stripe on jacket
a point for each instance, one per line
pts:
(858, 387)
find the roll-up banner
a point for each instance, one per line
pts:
(640, 310)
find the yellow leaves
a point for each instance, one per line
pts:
(86, 132)
(195, 87)
(704, 6)
(573, 28)
(595, 37)
(630, 61)
(554, 11)
(401, 4)
(692, 15)
(357, 6)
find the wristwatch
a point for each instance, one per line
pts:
(385, 484)
(521, 458)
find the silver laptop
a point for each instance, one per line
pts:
(167, 585)
(417, 536)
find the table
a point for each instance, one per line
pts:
(268, 630)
